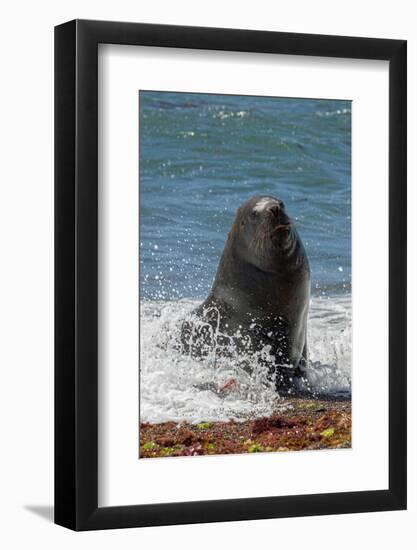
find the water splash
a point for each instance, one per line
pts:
(176, 386)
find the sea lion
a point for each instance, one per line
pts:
(261, 292)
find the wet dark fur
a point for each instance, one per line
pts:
(261, 292)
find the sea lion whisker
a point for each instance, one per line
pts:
(264, 241)
(257, 239)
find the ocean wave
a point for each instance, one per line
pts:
(177, 387)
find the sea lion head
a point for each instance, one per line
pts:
(266, 234)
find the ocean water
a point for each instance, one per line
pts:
(201, 156)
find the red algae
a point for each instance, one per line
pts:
(306, 425)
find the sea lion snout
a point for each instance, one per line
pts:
(278, 218)
(271, 212)
(274, 210)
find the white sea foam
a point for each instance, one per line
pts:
(334, 113)
(222, 114)
(176, 387)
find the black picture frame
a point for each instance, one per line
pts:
(76, 272)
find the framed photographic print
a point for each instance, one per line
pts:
(230, 337)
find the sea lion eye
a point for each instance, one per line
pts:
(253, 214)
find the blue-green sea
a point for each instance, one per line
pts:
(202, 155)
